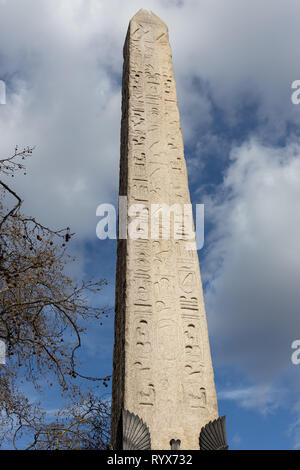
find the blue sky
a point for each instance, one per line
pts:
(234, 64)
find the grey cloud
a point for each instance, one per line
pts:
(253, 263)
(263, 399)
(64, 61)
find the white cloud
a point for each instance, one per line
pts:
(237, 439)
(63, 98)
(294, 429)
(253, 262)
(263, 399)
(63, 63)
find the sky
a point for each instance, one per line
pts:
(234, 65)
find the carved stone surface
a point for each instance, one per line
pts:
(135, 433)
(175, 444)
(162, 364)
(213, 435)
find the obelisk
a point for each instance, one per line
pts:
(162, 370)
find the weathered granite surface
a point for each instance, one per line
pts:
(162, 363)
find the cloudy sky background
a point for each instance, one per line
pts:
(234, 64)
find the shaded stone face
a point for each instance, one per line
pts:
(162, 363)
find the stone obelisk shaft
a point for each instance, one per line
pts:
(162, 363)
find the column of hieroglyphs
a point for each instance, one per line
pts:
(162, 363)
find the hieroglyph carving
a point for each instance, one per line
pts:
(162, 364)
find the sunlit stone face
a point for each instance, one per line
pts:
(162, 363)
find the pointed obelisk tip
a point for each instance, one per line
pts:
(147, 16)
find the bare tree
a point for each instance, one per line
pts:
(83, 425)
(43, 312)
